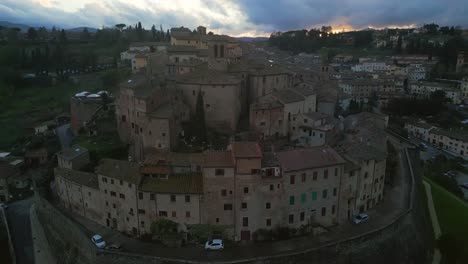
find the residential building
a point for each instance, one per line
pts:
(454, 141)
(315, 129)
(419, 129)
(464, 90)
(79, 192)
(221, 92)
(73, 158)
(149, 115)
(241, 189)
(83, 107)
(7, 174)
(425, 89)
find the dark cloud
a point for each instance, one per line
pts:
(238, 16)
(294, 14)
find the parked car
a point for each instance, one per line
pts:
(3, 205)
(464, 185)
(98, 241)
(215, 244)
(360, 218)
(114, 247)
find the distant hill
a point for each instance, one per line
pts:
(7, 24)
(80, 29)
(250, 39)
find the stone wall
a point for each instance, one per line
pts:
(68, 243)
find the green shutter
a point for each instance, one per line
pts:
(291, 200)
(314, 196)
(303, 198)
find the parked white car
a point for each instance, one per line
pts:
(215, 244)
(360, 218)
(98, 241)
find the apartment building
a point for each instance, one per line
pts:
(419, 129)
(455, 141)
(464, 90)
(425, 89)
(149, 114)
(315, 129)
(241, 189)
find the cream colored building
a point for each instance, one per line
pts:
(464, 90)
(79, 192)
(455, 142)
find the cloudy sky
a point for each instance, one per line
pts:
(237, 17)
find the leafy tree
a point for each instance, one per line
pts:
(13, 34)
(63, 36)
(42, 33)
(153, 31)
(199, 119)
(327, 29)
(120, 26)
(431, 28)
(163, 227)
(32, 33)
(168, 35)
(399, 44)
(85, 34)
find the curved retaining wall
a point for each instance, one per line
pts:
(407, 239)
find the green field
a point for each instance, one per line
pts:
(451, 211)
(29, 106)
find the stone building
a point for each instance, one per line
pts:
(272, 114)
(221, 92)
(82, 109)
(423, 90)
(73, 158)
(79, 192)
(454, 141)
(118, 185)
(315, 129)
(267, 80)
(7, 174)
(464, 90)
(149, 115)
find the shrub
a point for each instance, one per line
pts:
(162, 227)
(262, 235)
(203, 232)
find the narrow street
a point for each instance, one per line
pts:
(20, 229)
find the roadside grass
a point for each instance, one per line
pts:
(451, 211)
(30, 105)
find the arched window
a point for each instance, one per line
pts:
(221, 51)
(215, 51)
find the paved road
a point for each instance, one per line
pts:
(65, 135)
(20, 229)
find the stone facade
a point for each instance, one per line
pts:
(73, 158)
(148, 115)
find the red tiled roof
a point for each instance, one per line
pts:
(247, 149)
(218, 159)
(306, 158)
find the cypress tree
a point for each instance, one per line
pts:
(199, 119)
